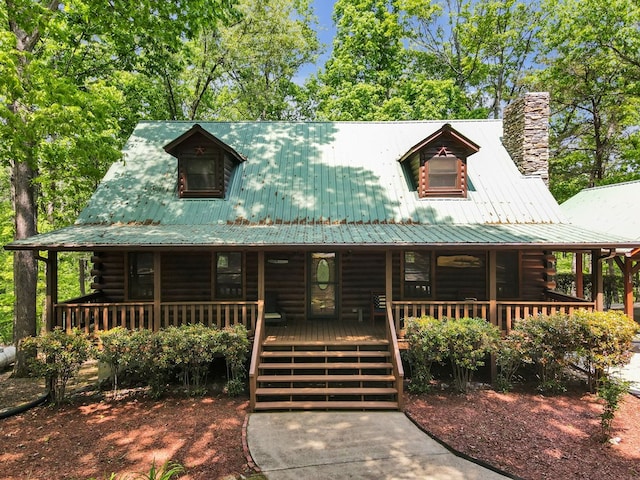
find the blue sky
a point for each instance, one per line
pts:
(323, 10)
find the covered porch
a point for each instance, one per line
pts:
(500, 287)
(333, 345)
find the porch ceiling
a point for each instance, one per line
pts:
(547, 236)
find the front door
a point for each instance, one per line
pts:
(323, 285)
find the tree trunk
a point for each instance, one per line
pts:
(25, 268)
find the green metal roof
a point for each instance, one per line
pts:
(610, 208)
(321, 183)
(95, 237)
(315, 173)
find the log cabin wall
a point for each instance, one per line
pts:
(532, 275)
(460, 275)
(186, 277)
(108, 270)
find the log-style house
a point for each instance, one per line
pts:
(610, 208)
(322, 238)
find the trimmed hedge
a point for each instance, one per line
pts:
(464, 342)
(595, 341)
(152, 358)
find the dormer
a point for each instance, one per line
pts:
(205, 163)
(437, 166)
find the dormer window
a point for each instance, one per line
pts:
(199, 175)
(437, 166)
(443, 171)
(205, 164)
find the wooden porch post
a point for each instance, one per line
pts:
(493, 306)
(157, 291)
(388, 282)
(51, 289)
(579, 275)
(261, 276)
(627, 275)
(493, 289)
(597, 286)
(628, 271)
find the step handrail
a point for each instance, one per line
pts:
(258, 339)
(396, 360)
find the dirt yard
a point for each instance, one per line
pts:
(528, 435)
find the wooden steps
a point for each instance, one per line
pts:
(327, 405)
(336, 375)
(324, 354)
(325, 378)
(325, 365)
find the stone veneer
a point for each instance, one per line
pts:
(526, 133)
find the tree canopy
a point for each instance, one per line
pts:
(78, 75)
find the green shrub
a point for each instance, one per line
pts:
(596, 340)
(191, 348)
(426, 341)
(464, 342)
(59, 358)
(469, 341)
(234, 346)
(611, 390)
(548, 341)
(606, 342)
(509, 359)
(116, 351)
(151, 361)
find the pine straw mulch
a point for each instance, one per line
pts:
(534, 436)
(528, 435)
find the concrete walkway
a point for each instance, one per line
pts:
(352, 445)
(631, 372)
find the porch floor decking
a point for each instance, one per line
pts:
(324, 332)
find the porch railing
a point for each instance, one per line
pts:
(93, 317)
(506, 312)
(407, 309)
(90, 315)
(509, 312)
(220, 314)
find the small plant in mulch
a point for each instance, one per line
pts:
(116, 352)
(612, 391)
(168, 471)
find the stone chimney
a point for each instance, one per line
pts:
(526, 133)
